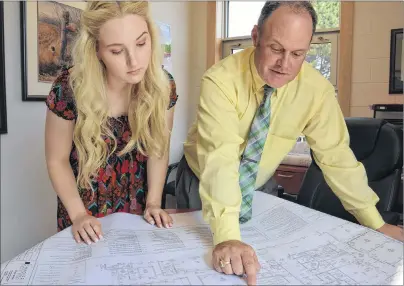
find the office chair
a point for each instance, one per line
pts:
(169, 187)
(378, 145)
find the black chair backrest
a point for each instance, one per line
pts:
(378, 145)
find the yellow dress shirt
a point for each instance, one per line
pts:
(231, 92)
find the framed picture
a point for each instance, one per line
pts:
(48, 30)
(165, 40)
(396, 77)
(3, 107)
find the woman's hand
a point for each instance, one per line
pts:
(86, 228)
(153, 214)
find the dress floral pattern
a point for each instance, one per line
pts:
(120, 185)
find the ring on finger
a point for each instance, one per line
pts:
(223, 263)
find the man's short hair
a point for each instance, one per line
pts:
(296, 6)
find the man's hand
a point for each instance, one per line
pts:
(393, 231)
(236, 257)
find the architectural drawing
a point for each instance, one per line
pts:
(295, 245)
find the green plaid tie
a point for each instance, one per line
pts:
(252, 154)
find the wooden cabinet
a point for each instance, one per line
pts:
(290, 177)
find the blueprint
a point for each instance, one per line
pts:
(295, 245)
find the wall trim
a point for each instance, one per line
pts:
(345, 56)
(213, 42)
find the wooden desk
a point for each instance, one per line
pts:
(290, 177)
(175, 211)
(170, 211)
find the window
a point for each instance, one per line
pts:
(249, 11)
(235, 50)
(323, 53)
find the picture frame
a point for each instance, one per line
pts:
(48, 29)
(3, 105)
(396, 73)
(166, 43)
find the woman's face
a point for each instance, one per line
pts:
(124, 47)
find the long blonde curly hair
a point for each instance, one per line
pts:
(149, 98)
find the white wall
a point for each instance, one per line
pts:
(28, 208)
(28, 203)
(188, 31)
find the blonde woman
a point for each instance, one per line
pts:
(109, 115)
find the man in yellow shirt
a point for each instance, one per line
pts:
(302, 101)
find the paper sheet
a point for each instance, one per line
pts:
(295, 245)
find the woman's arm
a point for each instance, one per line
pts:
(156, 175)
(157, 169)
(58, 145)
(59, 128)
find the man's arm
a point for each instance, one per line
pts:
(218, 144)
(328, 137)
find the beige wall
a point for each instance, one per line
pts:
(371, 51)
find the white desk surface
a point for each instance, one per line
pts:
(295, 245)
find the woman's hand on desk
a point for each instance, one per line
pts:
(153, 214)
(86, 228)
(393, 231)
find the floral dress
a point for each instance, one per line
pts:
(120, 185)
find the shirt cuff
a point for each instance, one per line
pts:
(225, 228)
(369, 217)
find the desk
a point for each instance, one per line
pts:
(179, 211)
(294, 244)
(290, 177)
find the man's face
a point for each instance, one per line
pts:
(282, 44)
